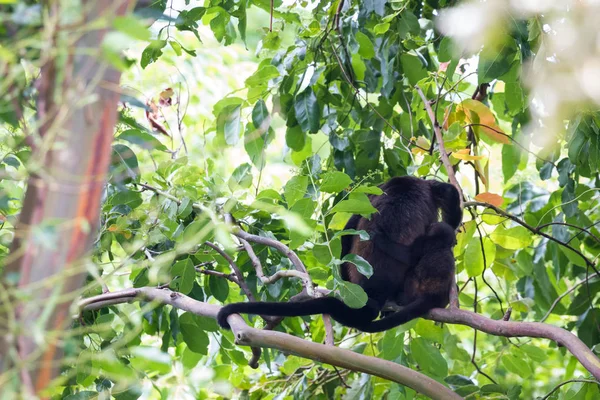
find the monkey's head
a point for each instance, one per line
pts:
(440, 234)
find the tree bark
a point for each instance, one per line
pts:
(76, 114)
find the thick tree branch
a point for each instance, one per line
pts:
(249, 336)
(521, 329)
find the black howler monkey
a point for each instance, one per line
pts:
(409, 250)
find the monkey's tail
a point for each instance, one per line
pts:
(325, 305)
(416, 309)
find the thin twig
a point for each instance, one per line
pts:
(566, 382)
(438, 134)
(533, 229)
(562, 296)
(240, 278)
(581, 229)
(229, 277)
(300, 272)
(271, 16)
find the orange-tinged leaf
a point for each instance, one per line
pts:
(464, 154)
(490, 198)
(113, 228)
(165, 94)
(478, 113)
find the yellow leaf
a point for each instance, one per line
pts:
(464, 155)
(481, 116)
(422, 145)
(490, 198)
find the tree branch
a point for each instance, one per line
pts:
(521, 329)
(536, 230)
(248, 336)
(562, 296)
(451, 176)
(300, 272)
(240, 278)
(567, 382)
(438, 134)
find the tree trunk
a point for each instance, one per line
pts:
(76, 114)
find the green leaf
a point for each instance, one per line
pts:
(142, 139)
(128, 198)
(413, 68)
(308, 112)
(362, 265)
(408, 23)
(260, 116)
(176, 47)
(322, 253)
(445, 51)
(366, 48)
(218, 288)
(495, 61)
(151, 359)
(241, 178)
(255, 144)
(381, 28)
(359, 67)
(262, 76)
(82, 395)
(362, 234)
(124, 167)
(376, 6)
(474, 255)
(152, 52)
(534, 352)
(335, 182)
(514, 238)
(353, 295)
(131, 26)
(131, 393)
(358, 203)
(295, 138)
(516, 365)
(187, 275)
(428, 357)
(272, 41)
(193, 335)
(295, 189)
(229, 124)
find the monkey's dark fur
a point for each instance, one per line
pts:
(409, 250)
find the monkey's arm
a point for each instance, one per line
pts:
(352, 317)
